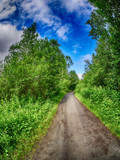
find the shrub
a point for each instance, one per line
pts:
(104, 103)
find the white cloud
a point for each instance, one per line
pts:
(74, 51)
(83, 58)
(39, 10)
(8, 35)
(63, 31)
(80, 75)
(6, 9)
(79, 6)
(73, 5)
(76, 48)
(87, 57)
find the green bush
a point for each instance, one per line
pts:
(104, 103)
(22, 122)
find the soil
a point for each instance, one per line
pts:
(76, 134)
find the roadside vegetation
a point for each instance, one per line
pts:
(99, 89)
(34, 78)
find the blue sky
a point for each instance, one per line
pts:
(59, 19)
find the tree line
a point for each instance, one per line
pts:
(99, 89)
(34, 77)
(104, 70)
(36, 67)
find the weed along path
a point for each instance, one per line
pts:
(76, 134)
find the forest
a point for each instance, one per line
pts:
(33, 79)
(99, 89)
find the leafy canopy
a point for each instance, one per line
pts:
(34, 66)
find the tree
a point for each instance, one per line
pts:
(73, 80)
(105, 67)
(34, 66)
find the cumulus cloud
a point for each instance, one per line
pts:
(8, 35)
(87, 57)
(83, 58)
(79, 6)
(6, 9)
(39, 10)
(63, 31)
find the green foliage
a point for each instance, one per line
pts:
(103, 102)
(22, 123)
(108, 9)
(105, 67)
(33, 79)
(34, 66)
(73, 80)
(100, 88)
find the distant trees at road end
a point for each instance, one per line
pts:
(36, 67)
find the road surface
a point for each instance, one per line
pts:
(76, 134)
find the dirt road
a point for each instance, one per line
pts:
(76, 134)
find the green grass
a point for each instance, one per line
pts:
(24, 122)
(104, 103)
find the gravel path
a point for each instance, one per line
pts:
(76, 134)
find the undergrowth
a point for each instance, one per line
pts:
(24, 122)
(104, 103)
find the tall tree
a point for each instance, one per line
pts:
(73, 79)
(35, 66)
(104, 21)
